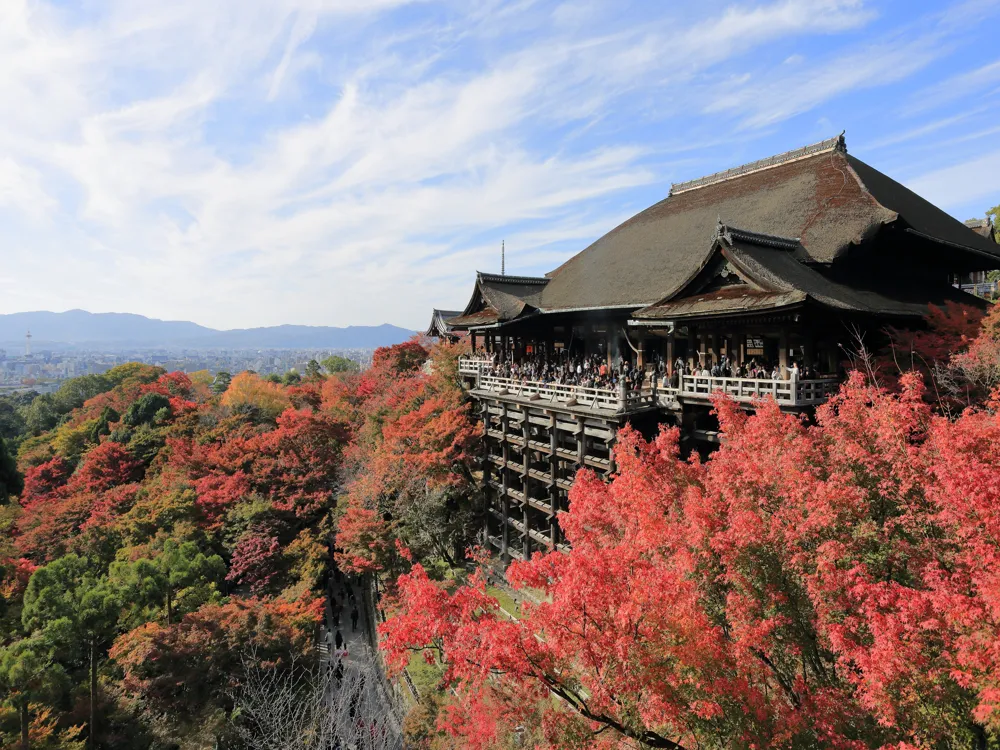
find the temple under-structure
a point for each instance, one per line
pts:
(757, 281)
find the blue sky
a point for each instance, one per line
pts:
(336, 162)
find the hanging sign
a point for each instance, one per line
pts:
(755, 346)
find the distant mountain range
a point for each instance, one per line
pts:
(78, 329)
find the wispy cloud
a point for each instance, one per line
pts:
(338, 161)
(981, 82)
(960, 184)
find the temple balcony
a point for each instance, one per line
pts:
(608, 401)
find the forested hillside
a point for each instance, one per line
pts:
(169, 526)
(816, 582)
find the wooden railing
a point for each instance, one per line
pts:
(473, 365)
(785, 392)
(743, 390)
(571, 395)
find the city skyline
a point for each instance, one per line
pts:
(342, 163)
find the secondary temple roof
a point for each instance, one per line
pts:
(438, 325)
(748, 272)
(825, 199)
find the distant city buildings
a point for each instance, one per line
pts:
(43, 371)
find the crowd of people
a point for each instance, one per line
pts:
(590, 371)
(593, 371)
(754, 369)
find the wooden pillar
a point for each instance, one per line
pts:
(526, 487)
(783, 352)
(485, 414)
(504, 484)
(581, 442)
(703, 355)
(670, 354)
(640, 356)
(472, 337)
(553, 476)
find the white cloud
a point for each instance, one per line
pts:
(975, 180)
(982, 81)
(331, 162)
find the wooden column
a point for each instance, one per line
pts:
(703, 355)
(473, 337)
(487, 492)
(783, 352)
(581, 442)
(553, 476)
(692, 348)
(640, 356)
(670, 354)
(504, 484)
(526, 486)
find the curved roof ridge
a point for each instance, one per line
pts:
(496, 278)
(837, 143)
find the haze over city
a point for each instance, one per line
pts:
(338, 163)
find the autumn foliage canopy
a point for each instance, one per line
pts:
(833, 583)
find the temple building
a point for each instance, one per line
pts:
(757, 281)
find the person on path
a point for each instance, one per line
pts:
(354, 619)
(339, 640)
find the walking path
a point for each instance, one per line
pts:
(362, 686)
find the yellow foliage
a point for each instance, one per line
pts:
(201, 377)
(71, 442)
(247, 389)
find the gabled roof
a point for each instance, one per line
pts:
(439, 325)
(826, 198)
(771, 276)
(499, 298)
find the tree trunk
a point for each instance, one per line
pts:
(24, 725)
(170, 608)
(92, 734)
(979, 741)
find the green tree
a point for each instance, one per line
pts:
(336, 363)
(12, 407)
(994, 215)
(11, 482)
(76, 609)
(291, 377)
(144, 409)
(41, 415)
(100, 426)
(28, 675)
(221, 382)
(313, 370)
(180, 578)
(74, 392)
(136, 372)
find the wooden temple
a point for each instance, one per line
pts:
(757, 281)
